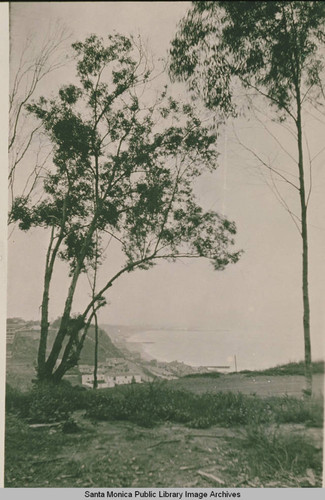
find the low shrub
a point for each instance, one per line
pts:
(156, 402)
(17, 402)
(205, 375)
(142, 404)
(49, 404)
(45, 403)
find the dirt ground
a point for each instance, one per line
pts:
(121, 454)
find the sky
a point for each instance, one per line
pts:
(260, 296)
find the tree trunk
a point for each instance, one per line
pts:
(305, 291)
(95, 385)
(70, 357)
(50, 260)
(44, 327)
(73, 349)
(63, 329)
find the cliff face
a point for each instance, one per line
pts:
(22, 348)
(106, 348)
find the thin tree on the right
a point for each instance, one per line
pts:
(275, 49)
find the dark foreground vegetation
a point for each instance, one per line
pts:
(151, 404)
(271, 442)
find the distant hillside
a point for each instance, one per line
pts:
(106, 349)
(23, 349)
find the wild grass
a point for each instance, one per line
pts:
(274, 457)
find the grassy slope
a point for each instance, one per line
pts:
(288, 369)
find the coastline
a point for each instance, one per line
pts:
(137, 347)
(217, 349)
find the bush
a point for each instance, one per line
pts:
(156, 402)
(17, 401)
(152, 403)
(205, 375)
(45, 403)
(49, 404)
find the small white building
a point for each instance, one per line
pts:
(123, 379)
(105, 381)
(85, 369)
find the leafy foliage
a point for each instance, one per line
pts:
(117, 171)
(275, 47)
(272, 49)
(125, 161)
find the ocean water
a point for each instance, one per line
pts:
(253, 350)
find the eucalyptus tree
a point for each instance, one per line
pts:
(275, 49)
(125, 161)
(28, 70)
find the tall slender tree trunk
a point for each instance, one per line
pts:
(44, 318)
(95, 384)
(304, 235)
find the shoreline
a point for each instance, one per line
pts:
(194, 350)
(137, 347)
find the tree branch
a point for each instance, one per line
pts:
(266, 165)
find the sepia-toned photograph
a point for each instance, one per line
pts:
(166, 235)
